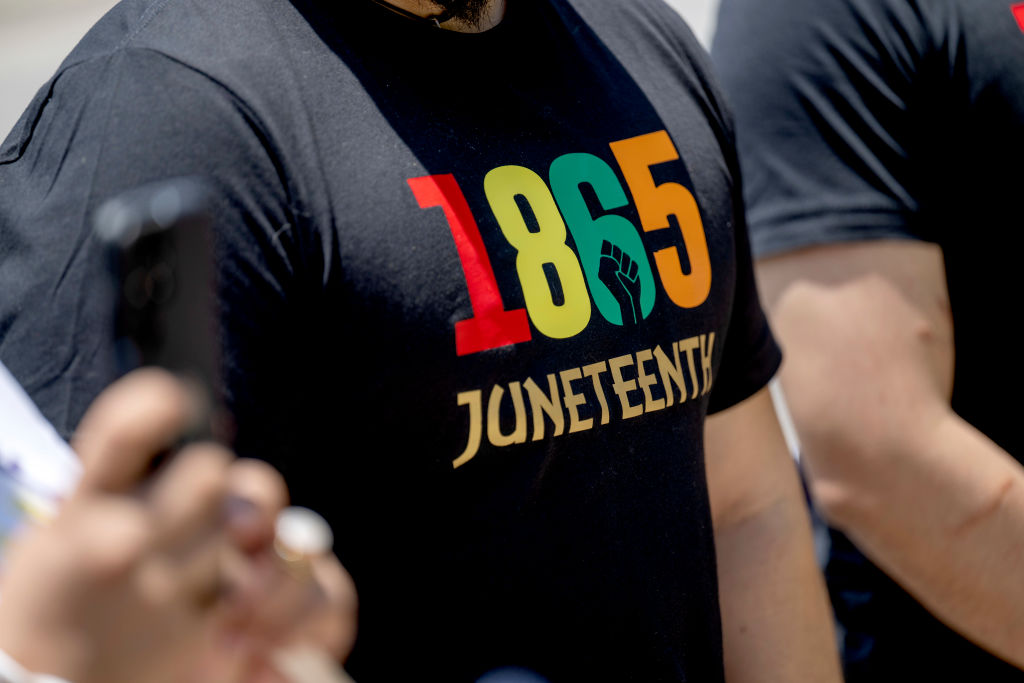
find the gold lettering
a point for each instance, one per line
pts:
(474, 400)
(494, 434)
(593, 371)
(623, 387)
(541, 403)
(670, 372)
(573, 401)
(654, 368)
(707, 342)
(689, 346)
(645, 381)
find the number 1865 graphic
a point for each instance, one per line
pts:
(612, 265)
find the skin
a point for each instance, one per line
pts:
(471, 16)
(868, 333)
(776, 621)
(158, 577)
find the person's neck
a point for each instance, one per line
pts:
(490, 18)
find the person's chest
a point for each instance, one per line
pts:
(533, 240)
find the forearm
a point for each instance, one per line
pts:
(776, 623)
(944, 515)
(868, 330)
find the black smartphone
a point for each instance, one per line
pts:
(160, 249)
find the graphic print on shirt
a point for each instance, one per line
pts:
(610, 270)
(1018, 14)
(642, 382)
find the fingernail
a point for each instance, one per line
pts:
(243, 515)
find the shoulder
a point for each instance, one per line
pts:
(229, 42)
(89, 101)
(176, 62)
(121, 111)
(199, 32)
(837, 103)
(849, 38)
(798, 34)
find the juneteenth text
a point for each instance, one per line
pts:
(644, 382)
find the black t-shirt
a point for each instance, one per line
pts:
(894, 119)
(444, 317)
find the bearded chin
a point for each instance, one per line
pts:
(468, 11)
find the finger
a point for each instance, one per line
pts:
(318, 610)
(257, 493)
(304, 541)
(334, 628)
(186, 502)
(225, 660)
(188, 584)
(286, 599)
(135, 418)
(187, 497)
(198, 573)
(285, 592)
(305, 664)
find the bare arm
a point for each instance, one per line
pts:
(869, 343)
(776, 622)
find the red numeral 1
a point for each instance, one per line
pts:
(491, 325)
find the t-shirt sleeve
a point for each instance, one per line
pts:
(100, 127)
(750, 355)
(836, 135)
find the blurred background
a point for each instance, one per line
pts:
(35, 35)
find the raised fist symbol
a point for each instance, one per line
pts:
(620, 274)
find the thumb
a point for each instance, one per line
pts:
(136, 418)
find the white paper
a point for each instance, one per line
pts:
(37, 468)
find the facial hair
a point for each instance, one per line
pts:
(467, 11)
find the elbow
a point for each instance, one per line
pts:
(841, 503)
(845, 463)
(863, 448)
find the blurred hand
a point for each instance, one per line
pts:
(166, 577)
(293, 620)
